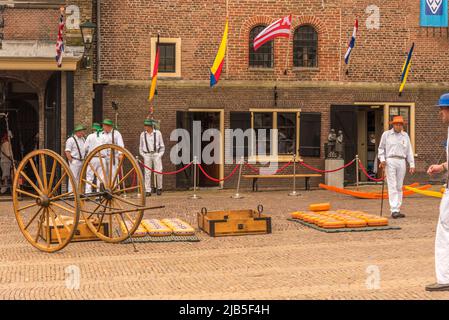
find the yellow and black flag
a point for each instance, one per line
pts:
(406, 69)
(155, 72)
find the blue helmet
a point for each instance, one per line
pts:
(444, 101)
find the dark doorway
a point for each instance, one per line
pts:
(208, 120)
(345, 118)
(52, 113)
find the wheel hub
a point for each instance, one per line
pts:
(107, 195)
(43, 201)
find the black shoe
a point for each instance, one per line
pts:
(437, 287)
(159, 192)
(401, 215)
(396, 215)
(148, 194)
(153, 190)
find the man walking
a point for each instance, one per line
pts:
(395, 150)
(93, 141)
(74, 152)
(152, 149)
(442, 236)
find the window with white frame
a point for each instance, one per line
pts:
(169, 57)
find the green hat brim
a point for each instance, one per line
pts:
(108, 122)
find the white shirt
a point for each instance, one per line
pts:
(106, 138)
(93, 141)
(147, 143)
(72, 147)
(396, 145)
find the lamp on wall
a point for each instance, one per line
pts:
(88, 29)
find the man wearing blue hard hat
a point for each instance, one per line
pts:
(442, 236)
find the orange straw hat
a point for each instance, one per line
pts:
(398, 120)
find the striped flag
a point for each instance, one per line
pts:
(60, 41)
(352, 41)
(155, 72)
(406, 69)
(217, 67)
(279, 28)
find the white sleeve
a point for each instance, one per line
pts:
(120, 140)
(141, 142)
(382, 148)
(69, 145)
(410, 154)
(162, 145)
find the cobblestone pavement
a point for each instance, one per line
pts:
(292, 263)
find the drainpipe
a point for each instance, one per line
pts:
(98, 41)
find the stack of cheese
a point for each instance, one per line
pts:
(161, 228)
(321, 216)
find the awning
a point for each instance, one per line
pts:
(37, 56)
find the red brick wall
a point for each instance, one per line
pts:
(379, 54)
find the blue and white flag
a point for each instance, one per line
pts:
(434, 13)
(352, 41)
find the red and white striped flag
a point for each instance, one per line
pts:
(279, 28)
(60, 41)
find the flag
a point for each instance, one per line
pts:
(60, 41)
(217, 67)
(352, 41)
(279, 28)
(406, 69)
(155, 71)
(434, 13)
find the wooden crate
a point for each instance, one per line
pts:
(234, 222)
(82, 233)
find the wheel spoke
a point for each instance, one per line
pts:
(96, 209)
(31, 182)
(27, 194)
(104, 172)
(39, 227)
(126, 213)
(36, 173)
(119, 167)
(58, 184)
(91, 183)
(126, 189)
(52, 176)
(111, 162)
(33, 218)
(55, 227)
(124, 178)
(60, 218)
(63, 208)
(27, 207)
(125, 201)
(47, 219)
(96, 173)
(61, 196)
(44, 172)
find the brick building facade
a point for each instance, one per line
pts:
(359, 102)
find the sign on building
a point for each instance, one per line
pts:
(434, 13)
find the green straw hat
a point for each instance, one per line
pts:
(79, 127)
(108, 122)
(96, 126)
(149, 122)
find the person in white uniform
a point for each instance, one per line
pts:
(395, 150)
(442, 235)
(152, 149)
(93, 141)
(5, 162)
(111, 135)
(74, 151)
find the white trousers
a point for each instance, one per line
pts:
(396, 170)
(6, 169)
(153, 161)
(75, 167)
(442, 242)
(90, 175)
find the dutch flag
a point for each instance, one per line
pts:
(352, 42)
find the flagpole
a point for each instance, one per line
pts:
(288, 48)
(227, 41)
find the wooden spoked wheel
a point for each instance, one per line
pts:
(47, 218)
(114, 193)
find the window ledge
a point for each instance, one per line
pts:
(273, 159)
(261, 69)
(306, 69)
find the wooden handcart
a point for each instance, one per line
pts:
(49, 217)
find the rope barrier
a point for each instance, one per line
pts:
(326, 171)
(166, 173)
(365, 172)
(219, 180)
(255, 170)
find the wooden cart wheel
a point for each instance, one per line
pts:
(39, 205)
(112, 208)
